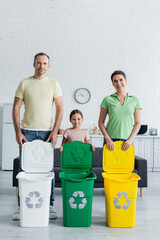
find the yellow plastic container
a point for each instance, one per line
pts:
(120, 186)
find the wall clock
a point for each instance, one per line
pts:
(82, 95)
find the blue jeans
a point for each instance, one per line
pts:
(30, 136)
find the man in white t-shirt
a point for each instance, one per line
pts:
(38, 93)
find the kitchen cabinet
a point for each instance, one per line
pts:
(97, 140)
(156, 151)
(144, 148)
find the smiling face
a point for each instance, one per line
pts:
(119, 82)
(41, 65)
(76, 120)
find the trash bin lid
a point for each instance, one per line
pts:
(30, 177)
(76, 157)
(37, 156)
(118, 161)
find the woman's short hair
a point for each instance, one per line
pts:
(118, 72)
(74, 112)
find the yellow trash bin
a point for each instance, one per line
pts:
(120, 186)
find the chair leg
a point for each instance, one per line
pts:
(17, 191)
(141, 191)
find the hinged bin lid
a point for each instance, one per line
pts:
(118, 161)
(76, 157)
(37, 156)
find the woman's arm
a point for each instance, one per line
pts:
(102, 117)
(137, 124)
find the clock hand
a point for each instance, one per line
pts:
(81, 94)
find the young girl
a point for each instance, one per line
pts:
(76, 133)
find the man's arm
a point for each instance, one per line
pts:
(58, 118)
(16, 120)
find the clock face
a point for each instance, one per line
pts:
(82, 95)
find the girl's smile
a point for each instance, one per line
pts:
(76, 121)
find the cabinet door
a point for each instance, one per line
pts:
(97, 141)
(156, 154)
(10, 149)
(7, 113)
(144, 149)
(59, 141)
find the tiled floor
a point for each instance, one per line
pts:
(147, 217)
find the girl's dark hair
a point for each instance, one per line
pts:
(118, 72)
(75, 111)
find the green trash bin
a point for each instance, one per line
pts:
(77, 184)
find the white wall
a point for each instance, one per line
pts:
(86, 40)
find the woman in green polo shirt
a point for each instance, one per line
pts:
(123, 111)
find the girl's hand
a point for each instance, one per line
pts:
(110, 144)
(126, 145)
(61, 149)
(93, 147)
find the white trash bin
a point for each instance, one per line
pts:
(35, 183)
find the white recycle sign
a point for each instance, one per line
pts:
(72, 200)
(34, 199)
(116, 200)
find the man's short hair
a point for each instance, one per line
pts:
(41, 54)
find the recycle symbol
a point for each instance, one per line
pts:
(78, 200)
(78, 155)
(34, 200)
(122, 201)
(39, 153)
